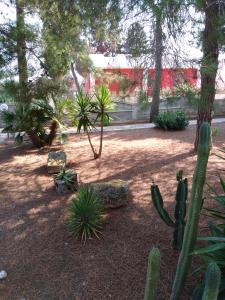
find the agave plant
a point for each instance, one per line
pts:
(31, 118)
(85, 218)
(68, 178)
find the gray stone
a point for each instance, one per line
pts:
(56, 161)
(113, 194)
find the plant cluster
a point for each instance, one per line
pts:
(85, 218)
(31, 118)
(143, 102)
(89, 110)
(68, 178)
(180, 209)
(182, 90)
(191, 228)
(171, 120)
(214, 249)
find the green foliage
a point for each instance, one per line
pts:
(153, 273)
(213, 252)
(85, 218)
(191, 228)
(143, 102)
(136, 41)
(31, 118)
(215, 131)
(91, 109)
(180, 209)
(68, 177)
(212, 282)
(171, 120)
(85, 109)
(103, 100)
(183, 90)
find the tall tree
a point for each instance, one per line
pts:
(136, 41)
(212, 37)
(158, 54)
(21, 50)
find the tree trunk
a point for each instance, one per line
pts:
(35, 139)
(92, 147)
(209, 65)
(75, 78)
(158, 67)
(21, 50)
(52, 133)
(101, 134)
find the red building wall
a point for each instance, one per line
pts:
(170, 78)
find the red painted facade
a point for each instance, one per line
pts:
(131, 79)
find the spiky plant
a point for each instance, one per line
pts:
(84, 116)
(32, 118)
(85, 218)
(104, 103)
(68, 177)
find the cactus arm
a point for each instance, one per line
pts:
(180, 213)
(212, 282)
(190, 233)
(158, 204)
(152, 274)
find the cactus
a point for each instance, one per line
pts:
(152, 274)
(212, 282)
(180, 209)
(191, 228)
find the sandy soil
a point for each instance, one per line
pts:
(44, 262)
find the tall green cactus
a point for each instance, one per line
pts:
(152, 274)
(191, 228)
(180, 209)
(212, 282)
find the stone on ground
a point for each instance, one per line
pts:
(56, 161)
(113, 194)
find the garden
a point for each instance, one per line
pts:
(44, 261)
(91, 207)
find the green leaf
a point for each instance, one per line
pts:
(209, 249)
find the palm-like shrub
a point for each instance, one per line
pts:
(104, 103)
(85, 218)
(32, 119)
(90, 110)
(171, 120)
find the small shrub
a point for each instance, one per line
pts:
(171, 120)
(85, 214)
(68, 177)
(143, 101)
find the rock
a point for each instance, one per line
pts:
(113, 193)
(56, 161)
(3, 274)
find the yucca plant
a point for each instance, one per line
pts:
(90, 110)
(31, 118)
(104, 103)
(85, 218)
(84, 117)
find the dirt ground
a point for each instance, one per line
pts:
(44, 262)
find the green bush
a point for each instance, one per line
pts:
(171, 120)
(85, 214)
